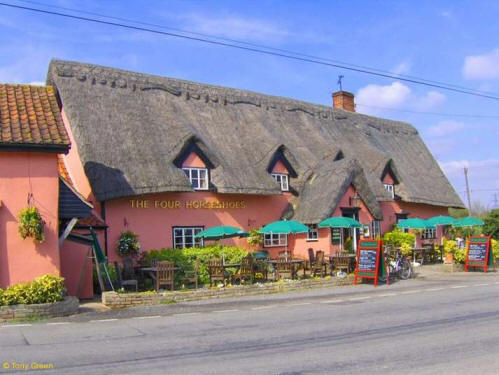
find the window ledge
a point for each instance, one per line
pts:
(312, 240)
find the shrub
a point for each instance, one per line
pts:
(31, 224)
(185, 258)
(349, 244)
(399, 239)
(44, 289)
(128, 244)
(254, 238)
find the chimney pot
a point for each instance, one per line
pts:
(344, 100)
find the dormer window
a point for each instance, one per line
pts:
(282, 179)
(391, 189)
(198, 177)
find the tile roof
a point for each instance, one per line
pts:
(30, 118)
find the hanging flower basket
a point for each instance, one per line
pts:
(128, 244)
(31, 224)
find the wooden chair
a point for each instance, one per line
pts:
(216, 270)
(429, 253)
(165, 274)
(261, 267)
(246, 271)
(319, 265)
(191, 276)
(341, 261)
(126, 276)
(284, 269)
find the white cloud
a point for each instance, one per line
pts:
(396, 95)
(37, 83)
(402, 68)
(235, 27)
(383, 96)
(445, 128)
(484, 66)
(429, 101)
(455, 167)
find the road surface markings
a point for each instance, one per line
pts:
(224, 311)
(485, 284)
(103, 320)
(299, 304)
(434, 289)
(185, 314)
(359, 298)
(147, 317)
(458, 286)
(16, 325)
(263, 307)
(411, 291)
(333, 301)
(57, 323)
(387, 295)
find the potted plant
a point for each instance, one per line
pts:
(450, 248)
(31, 224)
(128, 244)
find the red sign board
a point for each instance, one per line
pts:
(369, 260)
(479, 253)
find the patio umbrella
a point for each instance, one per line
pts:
(340, 222)
(441, 220)
(469, 221)
(415, 223)
(284, 227)
(221, 232)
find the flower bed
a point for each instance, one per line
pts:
(115, 300)
(67, 306)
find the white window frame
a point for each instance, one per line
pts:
(376, 228)
(282, 179)
(196, 182)
(429, 234)
(390, 188)
(183, 233)
(275, 239)
(313, 232)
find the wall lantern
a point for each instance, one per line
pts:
(355, 201)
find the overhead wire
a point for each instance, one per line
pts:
(256, 45)
(257, 50)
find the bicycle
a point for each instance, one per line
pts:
(397, 266)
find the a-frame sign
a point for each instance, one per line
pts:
(479, 253)
(370, 261)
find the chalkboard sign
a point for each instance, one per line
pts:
(479, 253)
(370, 261)
(336, 236)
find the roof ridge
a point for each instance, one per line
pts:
(230, 95)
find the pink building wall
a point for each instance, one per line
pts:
(22, 173)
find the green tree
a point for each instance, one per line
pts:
(491, 227)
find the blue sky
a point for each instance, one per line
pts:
(448, 41)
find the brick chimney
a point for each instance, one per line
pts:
(344, 100)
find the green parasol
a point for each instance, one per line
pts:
(284, 227)
(469, 221)
(340, 222)
(221, 232)
(441, 220)
(415, 223)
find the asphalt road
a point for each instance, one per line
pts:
(443, 326)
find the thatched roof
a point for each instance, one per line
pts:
(130, 127)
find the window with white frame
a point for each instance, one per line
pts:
(313, 232)
(184, 237)
(282, 179)
(391, 189)
(198, 177)
(275, 239)
(429, 233)
(376, 229)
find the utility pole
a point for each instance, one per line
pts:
(467, 189)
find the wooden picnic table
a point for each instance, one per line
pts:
(151, 271)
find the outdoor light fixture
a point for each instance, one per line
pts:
(355, 201)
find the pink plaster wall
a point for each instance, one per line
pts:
(21, 173)
(193, 161)
(280, 168)
(388, 179)
(73, 258)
